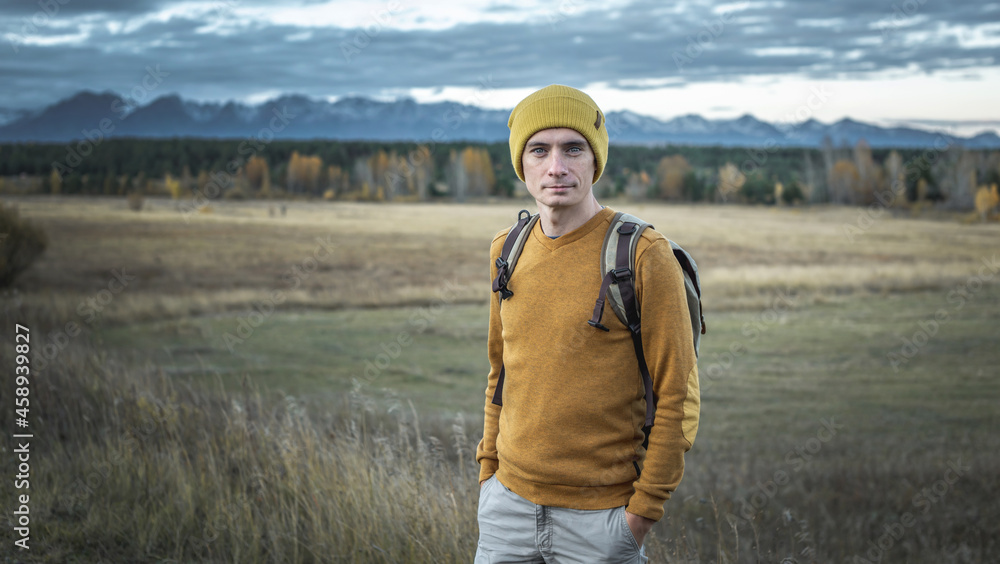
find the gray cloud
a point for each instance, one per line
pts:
(646, 41)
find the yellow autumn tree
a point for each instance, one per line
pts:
(303, 173)
(257, 174)
(842, 181)
(173, 187)
(922, 189)
(731, 180)
(670, 174)
(55, 182)
(986, 201)
(478, 171)
(338, 181)
(869, 174)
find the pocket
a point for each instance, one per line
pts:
(489, 482)
(484, 492)
(628, 530)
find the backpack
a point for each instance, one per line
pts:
(617, 288)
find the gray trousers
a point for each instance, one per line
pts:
(512, 529)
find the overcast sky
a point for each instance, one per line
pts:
(930, 62)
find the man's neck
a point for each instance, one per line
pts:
(557, 221)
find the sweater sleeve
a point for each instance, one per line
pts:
(668, 346)
(486, 452)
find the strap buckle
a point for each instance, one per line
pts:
(623, 273)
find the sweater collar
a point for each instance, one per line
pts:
(600, 218)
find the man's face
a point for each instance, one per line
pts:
(558, 167)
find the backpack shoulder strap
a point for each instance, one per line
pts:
(618, 254)
(513, 244)
(618, 266)
(618, 262)
(618, 257)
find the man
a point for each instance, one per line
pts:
(563, 474)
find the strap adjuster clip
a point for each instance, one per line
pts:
(598, 325)
(619, 274)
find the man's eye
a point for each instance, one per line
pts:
(575, 150)
(537, 151)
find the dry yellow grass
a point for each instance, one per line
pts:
(387, 255)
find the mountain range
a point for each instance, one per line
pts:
(89, 114)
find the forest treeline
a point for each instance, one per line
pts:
(406, 171)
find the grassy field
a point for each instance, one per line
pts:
(246, 396)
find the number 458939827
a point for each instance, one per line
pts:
(22, 340)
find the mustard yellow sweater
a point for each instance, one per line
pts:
(569, 433)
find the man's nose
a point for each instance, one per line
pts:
(557, 167)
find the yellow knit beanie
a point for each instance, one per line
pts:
(558, 106)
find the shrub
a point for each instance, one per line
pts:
(793, 193)
(235, 193)
(758, 190)
(21, 242)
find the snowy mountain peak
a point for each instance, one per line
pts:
(357, 117)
